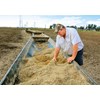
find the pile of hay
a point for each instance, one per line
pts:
(41, 70)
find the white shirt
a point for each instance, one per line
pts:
(72, 38)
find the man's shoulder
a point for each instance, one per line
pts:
(70, 29)
(58, 36)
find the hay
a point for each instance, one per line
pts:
(41, 69)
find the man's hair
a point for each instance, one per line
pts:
(58, 27)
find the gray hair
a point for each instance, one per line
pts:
(58, 27)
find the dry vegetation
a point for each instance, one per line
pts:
(11, 42)
(13, 39)
(42, 70)
(91, 40)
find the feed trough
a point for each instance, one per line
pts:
(29, 50)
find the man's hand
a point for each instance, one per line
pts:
(75, 50)
(56, 54)
(70, 59)
(54, 59)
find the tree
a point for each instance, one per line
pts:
(81, 27)
(91, 27)
(98, 28)
(73, 27)
(52, 26)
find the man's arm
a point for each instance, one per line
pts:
(56, 52)
(75, 50)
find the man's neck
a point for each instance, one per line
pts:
(64, 36)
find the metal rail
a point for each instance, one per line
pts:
(85, 73)
(11, 74)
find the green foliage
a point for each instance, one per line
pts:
(91, 27)
(52, 26)
(98, 28)
(73, 27)
(81, 27)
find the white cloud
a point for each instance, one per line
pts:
(9, 21)
(45, 21)
(96, 22)
(67, 21)
(42, 21)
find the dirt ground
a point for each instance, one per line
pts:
(91, 41)
(11, 42)
(13, 39)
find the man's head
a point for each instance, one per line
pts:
(60, 29)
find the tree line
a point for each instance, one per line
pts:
(88, 27)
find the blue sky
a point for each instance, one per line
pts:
(47, 20)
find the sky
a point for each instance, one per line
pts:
(43, 13)
(44, 21)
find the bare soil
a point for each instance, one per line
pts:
(11, 42)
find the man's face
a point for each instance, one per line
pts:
(62, 32)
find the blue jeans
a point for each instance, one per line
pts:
(79, 57)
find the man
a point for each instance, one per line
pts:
(68, 40)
